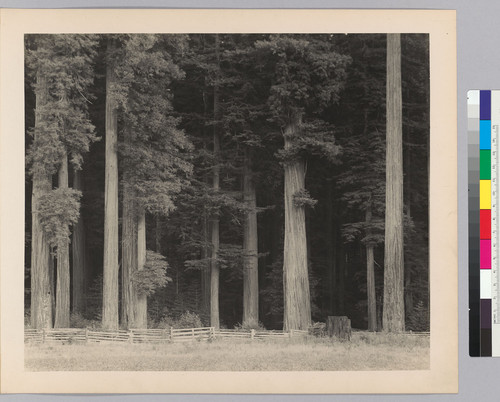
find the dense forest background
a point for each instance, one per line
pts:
(222, 179)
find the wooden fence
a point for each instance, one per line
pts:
(77, 335)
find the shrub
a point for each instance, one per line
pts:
(418, 320)
(250, 324)
(153, 276)
(318, 329)
(165, 323)
(27, 318)
(79, 321)
(188, 320)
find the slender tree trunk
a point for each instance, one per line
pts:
(205, 271)
(129, 253)
(110, 266)
(331, 251)
(158, 234)
(250, 244)
(214, 265)
(41, 297)
(78, 249)
(407, 194)
(297, 303)
(52, 281)
(342, 262)
(63, 274)
(141, 313)
(370, 277)
(393, 310)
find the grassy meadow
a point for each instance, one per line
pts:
(366, 351)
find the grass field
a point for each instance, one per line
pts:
(366, 351)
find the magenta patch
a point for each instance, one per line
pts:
(485, 254)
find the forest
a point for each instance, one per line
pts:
(227, 180)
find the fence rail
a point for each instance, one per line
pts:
(134, 335)
(85, 335)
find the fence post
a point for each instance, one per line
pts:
(172, 334)
(86, 335)
(252, 333)
(43, 335)
(192, 333)
(130, 336)
(212, 332)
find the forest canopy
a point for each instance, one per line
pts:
(247, 180)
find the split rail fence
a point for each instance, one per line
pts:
(85, 335)
(79, 335)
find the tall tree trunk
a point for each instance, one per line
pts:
(250, 244)
(393, 310)
(370, 276)
(297, 303)
(331, 250)
(342, 262)
(205, 270)
(110, 265)
(214, 265)
(129, 252)
(407, 194)
(158, 234)
(63, 274)
(41, 297)
(52, 281)
(141, 305)
(78, 250)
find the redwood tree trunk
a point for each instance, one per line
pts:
(110, 265)
(331, 258)
(205, 271)
(214, 265)
(393, 310)
(41, 297)
(63, 275)
(141, 304)
(52, 281)
(370, 278)
(129, 254)
(78, 250)
(297, 304)
(250, 251)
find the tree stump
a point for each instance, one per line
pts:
(339, 326)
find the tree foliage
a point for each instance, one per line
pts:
(330, 88)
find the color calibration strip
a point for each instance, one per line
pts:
(483, 109)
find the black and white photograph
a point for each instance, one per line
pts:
(221, 201)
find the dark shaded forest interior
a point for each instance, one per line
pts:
(227, 180)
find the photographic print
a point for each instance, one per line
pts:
(234, 201)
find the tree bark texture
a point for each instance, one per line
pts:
(78, 250)
(297, 304)
(205, 271)
(250, 245)
(52, 281)
(331, 242)
(63, 274)
(41, 297)
(339, 327)
(370, 278)
(393, 309)
(141, 304)
(214, 265)
(129, 253)
(110, 265)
